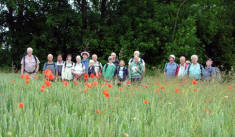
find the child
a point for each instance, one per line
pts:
(109, 70)
(91, 69)
(121, 72)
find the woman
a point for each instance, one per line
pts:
(136, 70)
(85, 60)
(91, 69)
(97, 64)
(115, 59)
(109, 70)
(67, 68)
(170, 68)
(195, 70)
(78, 69)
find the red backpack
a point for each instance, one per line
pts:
(178, 68)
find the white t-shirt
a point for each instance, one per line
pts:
(78, 68)
(98, 66)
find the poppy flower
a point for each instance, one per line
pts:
(121, 89)
(27, 81)
(110, 86)
(43, 86)
(85, 90)
(146, 102)
(145, 87)
(51, 77)
(158, 90)
(207, 111)
(195, 89)
(106, 91)
(21, 104)
(48, 83)
(42, 89)
(128, 82)
(22, 76)
(97, 111)
(36, 76)
(27, 76)
(75, 82)
(95, 83)
(107, 95)
(162, 87)
(86, 77)
(66, 83)
(177, 90)
(92, 75)
(97, 76)
(230, 87)
(194, 82)
(89, 85)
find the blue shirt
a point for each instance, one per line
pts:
(86, 64)
(51, 66)
(208, 73)
(170, 69)
(195, 71)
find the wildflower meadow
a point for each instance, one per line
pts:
(155, 108)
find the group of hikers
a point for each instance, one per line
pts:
(114, 69)
(69, 70)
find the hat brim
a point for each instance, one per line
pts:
(85, 53)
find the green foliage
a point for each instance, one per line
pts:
(156, 28)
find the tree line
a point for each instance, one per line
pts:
(157, 28)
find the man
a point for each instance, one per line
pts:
(137, 53)
(97, 64)
(136, 70)
(170, 68)
(59, 64)
(50, 65)
(115, 59)
(181, 70)
(109, 70)
(30, 64)
(195, 70)
(209, 72)
(85, 60)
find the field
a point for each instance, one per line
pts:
(157, 108)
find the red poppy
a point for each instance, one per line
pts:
(92, 75)
(109, 85)
(51, 77)
(27, 81)
(177, 90)
(27, 76)
(121, 89)
(85, 90)
(36, 77)
(66, 83)
(43, 86)
(128, 82)
(21, 104)
(86, 77)
(207, 111)
(146, 102)
(158, 90)
(98, 111)
(48, 83)
(89, 85)
(194, 82)
(106, 91)
(75, 82)
(195, 89)
(145, 87)
(22, 76)
(95, 83)
(230, 87)
(162, 87)
(107, 95)
(42, 89)
(97, 76)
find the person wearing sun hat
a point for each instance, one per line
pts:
(85, 60)
(170, 68)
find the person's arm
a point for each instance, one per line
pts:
(165, 70)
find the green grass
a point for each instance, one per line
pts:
(67, 111)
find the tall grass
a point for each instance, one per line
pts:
(63, 111)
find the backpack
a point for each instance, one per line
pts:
(51, 64)
(36, 61)
(217, 75)
(141, 60)
(201, 68)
